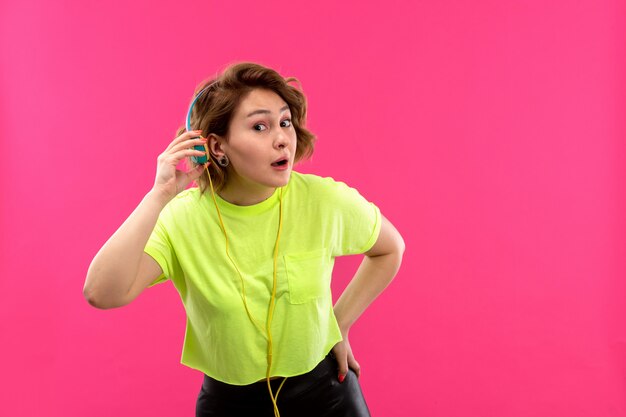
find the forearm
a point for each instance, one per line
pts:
(372, 277)
(115, 266)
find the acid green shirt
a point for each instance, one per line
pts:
(322, 219)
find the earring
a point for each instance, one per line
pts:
(223, 161)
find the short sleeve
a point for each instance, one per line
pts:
(356, 221)
(159, 247)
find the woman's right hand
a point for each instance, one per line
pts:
(170, 181)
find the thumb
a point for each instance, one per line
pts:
(183, 179)
(354, 365)
(195, 173)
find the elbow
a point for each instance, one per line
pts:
(400, 246)
(93, 300)
(98, 301)
(397, 247)
(398, 251)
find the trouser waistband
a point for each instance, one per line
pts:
(294, 384)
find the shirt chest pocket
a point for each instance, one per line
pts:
(308, 275)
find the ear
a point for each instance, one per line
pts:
(215, 145)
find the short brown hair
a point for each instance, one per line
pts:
(214, 110)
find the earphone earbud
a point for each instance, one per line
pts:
(201, 160)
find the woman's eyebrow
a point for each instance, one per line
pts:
(267, 111)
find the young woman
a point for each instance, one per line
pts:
(251, 252)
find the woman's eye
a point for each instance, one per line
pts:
(258, 124)
(288, 122)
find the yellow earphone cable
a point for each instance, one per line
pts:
(271, 312)
(243, 292)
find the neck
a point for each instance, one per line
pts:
(245, 195)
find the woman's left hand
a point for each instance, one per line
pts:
(345, 358)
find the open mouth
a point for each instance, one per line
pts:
(280, 163)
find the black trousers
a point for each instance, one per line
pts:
(317, 393)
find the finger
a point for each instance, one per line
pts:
(180, 155)
(183, 137)
(342, 362)
(166, 162)
(188, 144)
(339, 350)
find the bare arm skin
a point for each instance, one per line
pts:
(377, 270)
(121, 270)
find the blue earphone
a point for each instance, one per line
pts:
(201, 160)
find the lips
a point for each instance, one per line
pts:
(283, 160)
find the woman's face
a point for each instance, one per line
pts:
(259, 134)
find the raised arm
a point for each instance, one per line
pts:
(121, 269)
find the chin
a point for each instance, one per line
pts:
(280, 182)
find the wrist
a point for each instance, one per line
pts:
(344, 329)
(159, 197)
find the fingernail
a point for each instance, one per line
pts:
(341, 377)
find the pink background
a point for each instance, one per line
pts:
(491, 133)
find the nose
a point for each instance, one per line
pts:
(281, 140)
